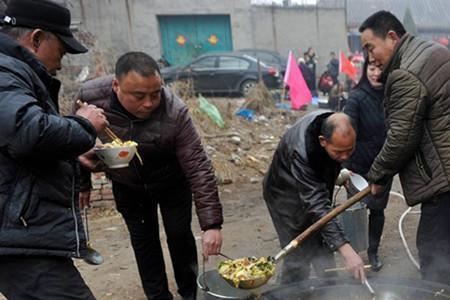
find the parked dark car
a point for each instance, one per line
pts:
(223, 72)
(269, 57)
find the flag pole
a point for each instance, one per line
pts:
(283, 93)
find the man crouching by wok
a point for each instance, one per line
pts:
(174, 167)
(298, 190)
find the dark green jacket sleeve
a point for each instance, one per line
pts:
(405, 105)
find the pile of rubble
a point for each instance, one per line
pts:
(243, 149)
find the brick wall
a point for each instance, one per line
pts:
(101, 188)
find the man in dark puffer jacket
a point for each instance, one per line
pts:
(175, 166)
(40, 224)
(416, 75)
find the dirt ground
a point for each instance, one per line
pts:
(248, 229)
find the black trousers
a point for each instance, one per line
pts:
(376, 224)
(41, 278)
(139, 210)
(433, 239)
(313, 251)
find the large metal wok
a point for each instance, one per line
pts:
(338, 288)
(348, 289)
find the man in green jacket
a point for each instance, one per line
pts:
(416, 76)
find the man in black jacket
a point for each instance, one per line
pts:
(333, 67)
(298, 189)
(174, 168)
(40, 223)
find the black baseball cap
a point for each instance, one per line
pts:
(46, 15)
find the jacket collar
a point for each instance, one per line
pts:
(11, 48)
(377, 93)
(396, 58)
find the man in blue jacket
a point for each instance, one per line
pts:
(40, 223)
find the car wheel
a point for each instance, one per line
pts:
(246, 86)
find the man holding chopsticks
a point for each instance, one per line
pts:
(40, 223)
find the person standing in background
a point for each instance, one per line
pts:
(365, 106)
(307, 73)
(333, 67)
(311, 64)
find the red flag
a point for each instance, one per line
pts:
(300, 94)
(345, 66)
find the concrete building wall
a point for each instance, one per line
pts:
(124, 25)
(297, 28)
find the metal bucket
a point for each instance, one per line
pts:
(355, 223)
(354, 219)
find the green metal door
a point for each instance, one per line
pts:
(186, 37)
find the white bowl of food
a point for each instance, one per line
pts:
(116, 154)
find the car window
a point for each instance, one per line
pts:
(206, 63)
(261, 63)
(267, 58)
(233, 63)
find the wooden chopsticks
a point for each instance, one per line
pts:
(112, 135)
(108, 130)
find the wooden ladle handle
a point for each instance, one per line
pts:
(322, 222)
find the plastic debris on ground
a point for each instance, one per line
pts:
(211, 111)
(246, 113)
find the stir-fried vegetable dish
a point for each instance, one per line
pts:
(247, 268)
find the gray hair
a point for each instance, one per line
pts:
(17, 32)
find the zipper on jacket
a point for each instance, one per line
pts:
(22, 214)
(422, 167)
(75, 217)
(134, 162)
(25, 224)
(25, 213)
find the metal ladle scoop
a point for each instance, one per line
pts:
(260, 281)
(93, 257)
